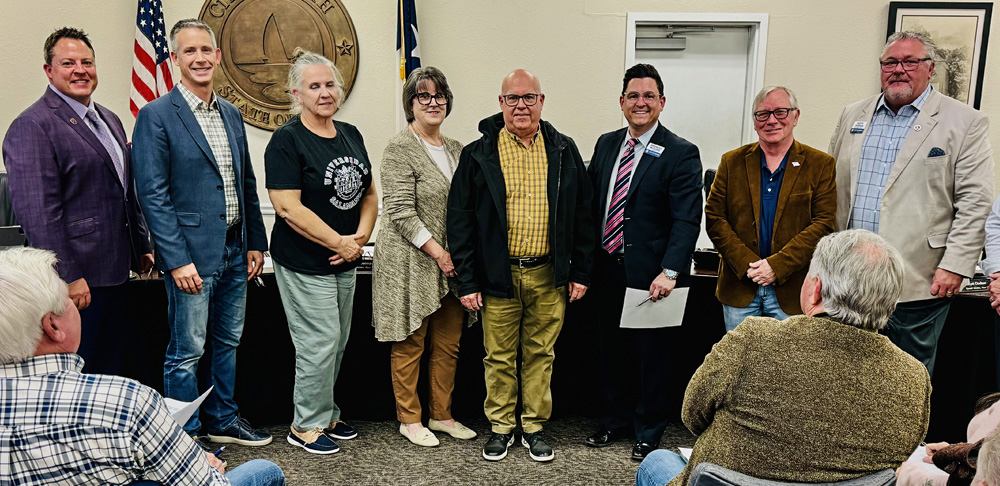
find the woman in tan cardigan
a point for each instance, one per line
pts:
(412, 297)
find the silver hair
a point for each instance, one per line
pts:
(302, 59)
(930, 49)
(861, 276)
(792, 100)
(189, 24)
(988, 462)
(30, 288)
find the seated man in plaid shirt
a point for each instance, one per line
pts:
(59, 426)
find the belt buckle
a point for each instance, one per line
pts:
(522, 262)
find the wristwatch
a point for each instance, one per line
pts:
(671, 274)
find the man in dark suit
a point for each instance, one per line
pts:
(648, 203)
(771, 202)
(197, 187)
(70, 175)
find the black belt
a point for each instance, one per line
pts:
(234, 231)
(529, 262)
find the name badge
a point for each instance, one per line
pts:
(859, 126)
(654, 149)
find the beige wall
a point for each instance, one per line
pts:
(824, 50)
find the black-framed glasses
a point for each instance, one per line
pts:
(779, 114)
(908, 64)
(649, 97)
(425, 98)
(529, 99)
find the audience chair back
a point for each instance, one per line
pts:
(708, 474)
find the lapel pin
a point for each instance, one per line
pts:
(72, 120)
(917, 128)
(795, 164)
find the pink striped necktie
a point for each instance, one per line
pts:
(614, 229)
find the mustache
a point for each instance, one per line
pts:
(895, 78)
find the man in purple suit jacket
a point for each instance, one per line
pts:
(70, 177)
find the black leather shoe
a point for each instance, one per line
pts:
(602, 438)
(642, 449)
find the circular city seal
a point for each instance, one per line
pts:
(257, 38)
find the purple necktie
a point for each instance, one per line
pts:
(109, 143)
(613, 230)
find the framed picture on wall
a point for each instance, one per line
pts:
(960, 31)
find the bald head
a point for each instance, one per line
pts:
(520, 76)
(523, 116)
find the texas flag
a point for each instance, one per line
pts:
(407, 49)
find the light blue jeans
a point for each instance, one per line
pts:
(319, 310)
(215, 314)
(765, 303)
(257, 472)
(658, 468)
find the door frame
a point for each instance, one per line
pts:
(756, 22)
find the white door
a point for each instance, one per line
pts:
(712, 66)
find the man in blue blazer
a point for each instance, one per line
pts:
(648, 193)
(197, 186)
(70, 179)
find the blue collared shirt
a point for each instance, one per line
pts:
(81, 111)
(60, 426)
(770, 186)
(885, 136)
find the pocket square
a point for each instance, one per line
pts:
(936, 152)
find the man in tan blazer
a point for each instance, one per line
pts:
(770, 204)
(916, 167)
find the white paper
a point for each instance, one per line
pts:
(666, 312)
(182, 411)
(918, 458)
(686, 453)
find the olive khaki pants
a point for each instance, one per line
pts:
(530, 320)
(443, 330)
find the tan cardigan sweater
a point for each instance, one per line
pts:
(407, 284)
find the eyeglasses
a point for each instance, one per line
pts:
(908, 64)
(425, 98)
(648, 97)
(779, 114)
(529, 99)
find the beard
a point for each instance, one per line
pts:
(897, 92)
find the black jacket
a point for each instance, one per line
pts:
(664, 205)
(477, 215)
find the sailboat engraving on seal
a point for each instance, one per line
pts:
(257, 38)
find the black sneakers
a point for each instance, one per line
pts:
(240, 433)
(496, 447)
(537, 448)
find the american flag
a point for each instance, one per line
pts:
(151, 64)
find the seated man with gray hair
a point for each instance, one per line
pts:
(59, 426)
(820, 397)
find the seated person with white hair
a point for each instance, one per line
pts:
(820, 397)
(59, 426)
(988, 462)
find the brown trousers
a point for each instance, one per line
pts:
(444, 328)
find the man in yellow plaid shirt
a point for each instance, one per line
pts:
(521, 234)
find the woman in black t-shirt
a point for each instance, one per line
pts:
(320, 184)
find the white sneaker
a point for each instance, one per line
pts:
(423, 437)
(457, 431)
